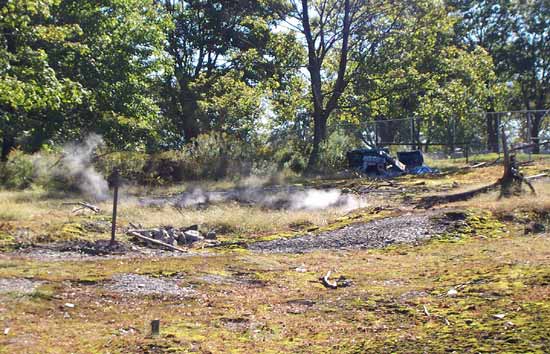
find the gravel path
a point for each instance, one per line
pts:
(18, 285)
(407, 228)
(145, 285)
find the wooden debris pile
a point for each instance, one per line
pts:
(170, 237)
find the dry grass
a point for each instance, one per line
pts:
(284, 310)
(231, 217)
(526, 201)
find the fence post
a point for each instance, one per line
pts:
(412, 134)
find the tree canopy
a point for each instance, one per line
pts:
(156, 75)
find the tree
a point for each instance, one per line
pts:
(31, 91)
(515, 33)
(212, 39)
(529, 60)
(420, 71)
(120, 63)
(333, 30)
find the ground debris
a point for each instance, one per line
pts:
(168, 236)
(83, 205)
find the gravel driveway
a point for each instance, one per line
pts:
(409, 228)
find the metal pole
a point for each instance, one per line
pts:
(115, 204)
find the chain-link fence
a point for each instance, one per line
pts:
(477, 133)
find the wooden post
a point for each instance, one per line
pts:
(115, 180)
(155, 327)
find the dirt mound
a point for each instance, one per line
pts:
(409, 228)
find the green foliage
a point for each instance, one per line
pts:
(334, 148)
(152, 76)
(18, 171)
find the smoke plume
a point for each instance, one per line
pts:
(77, 164)
(277, 197)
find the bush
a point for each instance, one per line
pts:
(18, 171)
(333, 151)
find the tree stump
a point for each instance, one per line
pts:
(512, 179)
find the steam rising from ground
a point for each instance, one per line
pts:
(292, 198)
(77, 164)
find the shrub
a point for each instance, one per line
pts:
(18, 171)
(333, 151)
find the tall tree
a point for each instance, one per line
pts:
(120, 65)
(331, 31)
(210, 39)
(516, 34)
(420, 71)
(529, 60)
(31, 91)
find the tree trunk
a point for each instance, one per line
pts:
(188, 107)
(8, 143)
(536, 123)
(492, 132)
(319, 135)
(322, 111)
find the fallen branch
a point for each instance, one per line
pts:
(426, 311)
(327, 283)
(478, 165)
(511, 176)
(540, 175)
(430, 201)
(157, 242)
(528, 146)
(84, 205)
(493, 162)
(141, 231)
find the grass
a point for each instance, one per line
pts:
(290, 311)
(274, 303)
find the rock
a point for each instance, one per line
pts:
(452, 292)
(211, 235)
(69, 305)
(157, 235)
(535, 228)
(192, 228)
(192, 236)
(499, 316)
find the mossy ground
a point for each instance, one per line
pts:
(246, 302)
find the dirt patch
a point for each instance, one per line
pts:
(18, 285)
(409, 228)
(87, 251)
(137, 285)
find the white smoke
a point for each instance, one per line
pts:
(318, 199)
(77, 164)
(291, 198)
